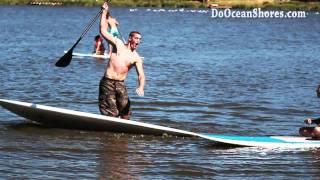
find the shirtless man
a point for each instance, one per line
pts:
(113, 96)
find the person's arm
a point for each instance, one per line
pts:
(141, 77)
(104, 26)
(98, 46)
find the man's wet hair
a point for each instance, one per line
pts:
(133, 33)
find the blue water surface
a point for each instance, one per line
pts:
(251, 77)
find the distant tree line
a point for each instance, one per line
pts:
(247, 4)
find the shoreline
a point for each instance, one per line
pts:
(236, 4)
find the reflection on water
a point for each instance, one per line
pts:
(114, 158)
(226, 76)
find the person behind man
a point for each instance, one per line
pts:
(113, 23)
(313, 132)
(113, 29)
(113, 96)
(98, 45)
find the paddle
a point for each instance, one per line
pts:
(65, 60)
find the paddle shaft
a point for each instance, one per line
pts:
(66, 58)
(88, 27)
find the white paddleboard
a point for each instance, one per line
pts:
(83, 55)
(264, 141)
(64, 118)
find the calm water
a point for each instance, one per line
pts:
(226, 76)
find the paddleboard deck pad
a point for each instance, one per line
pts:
(64, 118)
(264, 141)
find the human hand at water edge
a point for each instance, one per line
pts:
(140, 91)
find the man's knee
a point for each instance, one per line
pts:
(108, 112)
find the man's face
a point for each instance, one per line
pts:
(134, 41)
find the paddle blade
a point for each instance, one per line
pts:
(65, 60)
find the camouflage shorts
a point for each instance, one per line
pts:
(113, 98)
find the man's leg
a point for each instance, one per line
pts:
(123, 101)
(125, 113)
(107, 98)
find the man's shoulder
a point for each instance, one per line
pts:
(136, 53)
(134, 59)
(119, 43)
(137, 56)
